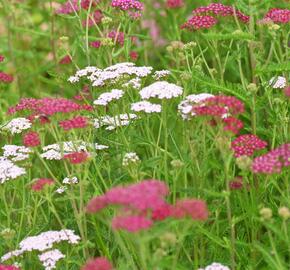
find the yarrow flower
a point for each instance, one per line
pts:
(174, 3)
(146, 107)
(130, 158)
(112, 122)
(2, 58)
(273, 161)
(215, 266)
(16, 152)
(70, 180)
(161, 90)
(144, 203)
(100, 263)
(117, 37)
(5, 78)
(65, 60)
(278, 15)
(31, 139)
(246, 145)
(43, 242)
(17, 125)
(105, 98)
(50, 258)
(160, 74)
(278, 82)
(41, 183)
(76, 122)
(8, 267)
(8, 170)
(72, 6)
(77, 157)
(94, 18)
(127, 4)
(199, 22)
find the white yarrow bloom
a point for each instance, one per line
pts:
(70, 180)
(17, 125)
(42, 242)
(105, 98)
(134, 83)
(145, 106)
(73, 79)
(278, 82)
(130, 158)
(61, 189)
(15, 152)
(215, 266)
(161, 90)
(160, 74)
(8, 170)
(185, 106)
(50, 258)
(112, 122)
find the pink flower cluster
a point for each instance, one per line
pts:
(127, 4)
(143, 203)
(76, 157)
(6, 78)
(100, 263)
(273, 161)
(31, 139)
(72, 6)
(48, 106)
(174, 3)
(65, 60)
(117, 37)
(246, 145)
(84, 94)
(278, 15)
(76, 122)
(41, 183)
(204, 17)
(199, 22)
(222, 108)
(1, 58)
(8, 267)
(95, 18)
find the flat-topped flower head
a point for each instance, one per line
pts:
(6, 78)
(77, 157)
(76, 122)
(274, 161)
(278, 15)
(50, 258)
(131, 223)
(41, 183)
(199, 22)
(100, 263)
(278, 82)
(73, 6)
(31, 139)
(105, 98)
(161, 90)
(17, 125)
(130, 158)
(145, 106)
(174, 4)
(215, 266)
(9, 170)
(8, 267)
(127, 5)
(246, 145)
(113, 122)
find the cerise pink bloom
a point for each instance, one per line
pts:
(6, 78)
(131, 223)
(65, 60)
(278, 15)
(76, 122)
(31, 139)
(100, 263)
(199, 22)
(174, 3)
(41, 183)
(8, 267)
(77, 157)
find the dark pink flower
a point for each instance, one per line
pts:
(65, 60)
(134, 56)
(100, 263)
(117, 37)
(174, 3)
(1, 58)
(6, 78)
(274, 161)
(196, 209)
(95, 18)
(72, 6)
(41, 183)
(278, 15)
(246, 145)
(287, 91)
(96, 44)
(233, 124)
(76, 122)
(131, 223)
(77, 157)
(8, 267)
(127, 4)
(199, 22)
(31, 139)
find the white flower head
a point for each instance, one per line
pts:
(112, 122)
(161, 90)
(70, 180)
(160, 74)
(215, 266)
(278, 82)
(8, 170)
(15, 152)
(50, 258)
(130, 158)
(105, 98)
(17, 125)
(145, 106)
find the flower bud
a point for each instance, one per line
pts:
(266, 213)
(284, 212)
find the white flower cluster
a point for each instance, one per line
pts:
(130, 158)
(100, 77)
(15, 152)
(42, 242)
(17, 125)
(58, 150)
(112, 122)
(8, 170)
(134, 83)
(105, 98)
(70, 180)
(215, 266)
(50, 258)
(61, 189)
(185, 106)
(145, 106)
(160, 74)
(278, 82)
(161, 90)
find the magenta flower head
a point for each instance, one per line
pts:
(100, 263)
(31, 139)
(131, 223)
(76, 122)
(246, 145)
(77, 157)
(199, 22)
(274, 161)
(41, 183)
(8, 267)
(277, 15)
(174, 4)
(5, 78)
(127, 5)
(1, 58)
